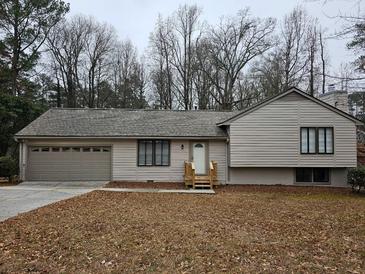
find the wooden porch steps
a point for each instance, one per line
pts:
(202, 178)
(200, 181)
(203, 186)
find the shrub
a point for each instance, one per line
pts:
(356, 178)
(7, 166)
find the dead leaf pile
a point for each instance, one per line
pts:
(231, 232)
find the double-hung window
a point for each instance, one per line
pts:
(316, 140)
(153, 153)
(308, 140)
(325, 140)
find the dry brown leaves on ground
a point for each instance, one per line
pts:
(153, 185)
(228, 232)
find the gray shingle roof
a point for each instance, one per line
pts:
(125, 123)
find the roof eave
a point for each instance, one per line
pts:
(117, 137)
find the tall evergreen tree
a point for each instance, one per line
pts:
(24, 26)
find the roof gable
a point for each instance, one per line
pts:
(281, 95)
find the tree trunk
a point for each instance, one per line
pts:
(15, 62)
(58, 93)
(323, 63)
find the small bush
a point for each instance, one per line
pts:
(7, 167)
(356, 178)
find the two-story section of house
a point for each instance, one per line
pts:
(292, 138)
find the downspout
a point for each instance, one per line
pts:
(227, 156)
(21, 158)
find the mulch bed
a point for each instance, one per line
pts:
(154, 185)
(232, 231)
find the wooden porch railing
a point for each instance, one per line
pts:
(194, 181)
(189, 174)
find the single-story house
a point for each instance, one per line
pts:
(291, 138)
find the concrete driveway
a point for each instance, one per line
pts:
(31, 195)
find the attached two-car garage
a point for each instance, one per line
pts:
(65, 163)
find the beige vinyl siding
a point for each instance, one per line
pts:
(124, 158)
(125, 163)
(270, 135)
(217, 152)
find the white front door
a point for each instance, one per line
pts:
(199, 158)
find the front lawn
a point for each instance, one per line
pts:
(232, 231)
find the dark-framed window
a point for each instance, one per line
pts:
(153, 153)
(312, 175)
(308, 140)
(318, 140)
(325, 140)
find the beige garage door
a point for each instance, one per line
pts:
(68, 163)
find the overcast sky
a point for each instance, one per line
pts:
(135, 19)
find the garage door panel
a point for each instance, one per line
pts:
(69, 164)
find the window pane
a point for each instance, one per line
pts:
(165, 153)
(321, 175)
(141, 153)
(321, 140)
(149, 152)
(312, 140)
(45, 149)
(304, 175)
(76, 149)
(304, 140)
(65, 149)
(86, 149)
(329, 140)
(158, 153)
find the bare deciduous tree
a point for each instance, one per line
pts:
(99, 44)
(323, 61)
(230, 47)
(312, 47)
(95, 69)
(161, 64)
(186, 30)
(295, 59)
(129, 77)
(298, 58)
(66, 43)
